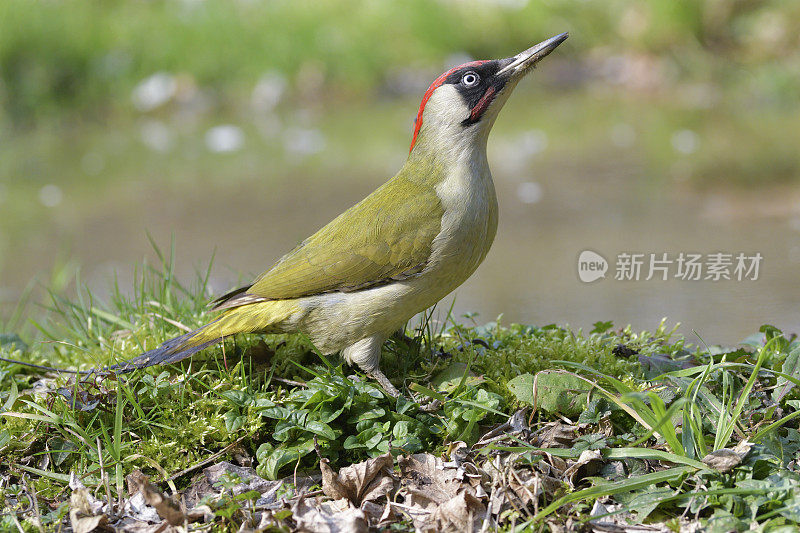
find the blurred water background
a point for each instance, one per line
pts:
(235, 129)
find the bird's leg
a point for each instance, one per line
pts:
(392, 391)
(430, 407)
(384, 382)
(366, 353)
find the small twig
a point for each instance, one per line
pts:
(316, 447)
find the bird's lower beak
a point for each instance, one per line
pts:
(520, 64)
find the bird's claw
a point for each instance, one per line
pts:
(392, 391)
(431, 406)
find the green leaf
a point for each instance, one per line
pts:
(263, 403)
(271, 460)
(400, 430)
(370, 414)
(645, 501)
(791, 366)
(449, 379)
(601, 327)
(595, 411)
(615, 487)
(234, 421)
(593, 441)
(302, 420)
(238, 397)
(278, 412)
(555, 392)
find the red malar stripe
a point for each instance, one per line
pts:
(435, 85)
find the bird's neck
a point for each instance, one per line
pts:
(438, 155)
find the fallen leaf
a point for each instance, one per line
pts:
(164, 505)
(514, 428)
(436, 497)
(249, 479)
(726, 459)
(556, 435)
(332, 517)
(84, 509)
(425, 479)
(137, 509)
(379, 514)
(464, 512)
(588, 464)
(361, 482)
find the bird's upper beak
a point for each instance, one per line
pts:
(521, 63)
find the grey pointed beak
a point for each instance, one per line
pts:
(522, 62)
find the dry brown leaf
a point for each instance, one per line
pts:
(85, 511)
(361, 482)
(204, 485)
(249, 479)
(137, 509)
(588, 464)
(426, 481)
(81, 515)
(331, 517)
(556, 435)
(164, 505)
(379, 514)
(515, 426)
(726, 459)
(435, 496)
(144, 527)
(464, 512)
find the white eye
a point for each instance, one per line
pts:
(470, 79)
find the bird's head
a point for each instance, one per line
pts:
(460, 106)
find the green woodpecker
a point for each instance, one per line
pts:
(400, 250)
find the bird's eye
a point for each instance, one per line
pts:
(470, 79)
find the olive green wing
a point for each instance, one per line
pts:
(387, 236)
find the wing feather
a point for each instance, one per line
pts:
(387, 236)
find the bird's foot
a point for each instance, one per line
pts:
(392, 391)
(384, 382)
(430, 407)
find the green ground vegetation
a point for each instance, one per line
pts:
(638, 398)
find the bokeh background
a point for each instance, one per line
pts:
(236, 128)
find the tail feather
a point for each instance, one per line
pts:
(258, 316)
(266, 316)
(172, 351)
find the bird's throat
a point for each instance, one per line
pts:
(481, 107)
